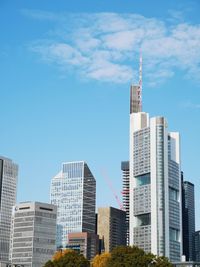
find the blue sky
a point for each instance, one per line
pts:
(66, 69)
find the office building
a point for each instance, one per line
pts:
(188, 220)
(8, 188)
(112, 227)
(125, 193)
(73, 191)
(33, 235)
(86, 243)
(155, 183)
(197, 245)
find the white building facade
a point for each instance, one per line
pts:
(33, 234)
(155, 185)
(125, 193)
(8, 188)
(73, 191)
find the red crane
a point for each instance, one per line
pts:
(108, 181)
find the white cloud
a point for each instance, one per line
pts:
(106, 46)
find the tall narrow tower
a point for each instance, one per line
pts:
(8, 188)
(188, 215)
(155, 182)
(126, 194)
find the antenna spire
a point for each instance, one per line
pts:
(136, 92)
(140, 82)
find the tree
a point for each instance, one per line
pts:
(135, 257)
(60, 253)
(101, 260)
(67, 258)
(162, 262)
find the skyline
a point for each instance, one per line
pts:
(64, 99)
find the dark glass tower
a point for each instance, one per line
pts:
(188, 219)
(197, 246)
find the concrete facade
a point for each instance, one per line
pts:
(111, 227)
(33, 235)
(126, 194)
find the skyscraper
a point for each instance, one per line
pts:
(73, 191)
(155, 183)
(126, 194)
(112, 227)
(8, 188)
(188, 220)
(33, 235)
(197, 246)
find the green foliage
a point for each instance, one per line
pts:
(129, 257)
(162, 262)
(69, 259)
(135, 257)
(120, 257)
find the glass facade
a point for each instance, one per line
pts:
(8, 186)
(143, 179)
(73, 191)
(188, 217)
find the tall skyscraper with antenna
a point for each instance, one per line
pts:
(155, 181)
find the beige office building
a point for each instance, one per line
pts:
(85, 243)
(111, 227)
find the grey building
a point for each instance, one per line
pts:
(188, 220)
(8, 188)
(33, 235)
(112, 227)
(126, 194)
(73, 191)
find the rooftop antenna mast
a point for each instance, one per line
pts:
(140, 82)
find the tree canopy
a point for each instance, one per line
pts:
(67, 258)
(129, 257)
(122, 256)
(101, 260)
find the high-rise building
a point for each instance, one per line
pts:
(33, 235)
(8, 188)
(111, 227)
(188, 220)
(155, 183)
(197, 246)
(73, 191)
(125, 192)
(86, 243)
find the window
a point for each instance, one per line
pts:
(174, 234)
(173, 194)
(144, 219)
(143, 179)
